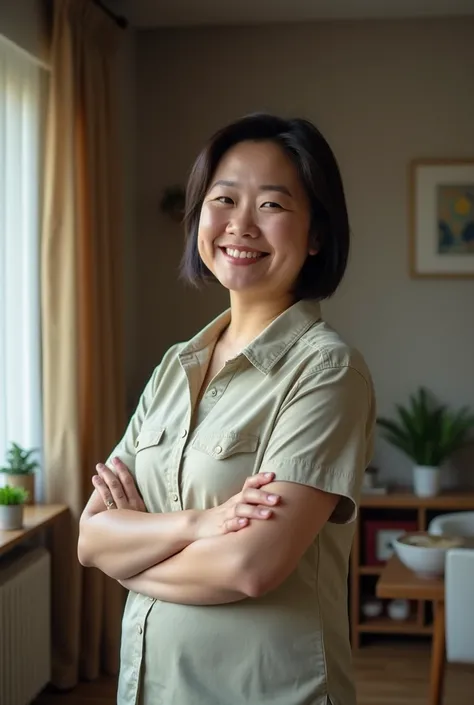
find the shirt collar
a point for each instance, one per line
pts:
(267, 348)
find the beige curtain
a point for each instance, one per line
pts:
(81, 322)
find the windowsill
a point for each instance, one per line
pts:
(36, 518)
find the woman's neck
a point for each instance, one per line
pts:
(250, 318)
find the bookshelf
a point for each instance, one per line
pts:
(399, 505)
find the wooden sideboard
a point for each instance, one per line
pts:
(395, 508)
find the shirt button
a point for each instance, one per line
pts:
(218, 449)
(174, 497)
(139, 629)
(184, 433)
(213, 392)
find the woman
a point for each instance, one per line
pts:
(238, 593)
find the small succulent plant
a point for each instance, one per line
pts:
(13, 495)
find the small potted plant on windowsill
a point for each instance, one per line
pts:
(428, 434)
(20, 470)
(12, 500)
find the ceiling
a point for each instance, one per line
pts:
(174, 13)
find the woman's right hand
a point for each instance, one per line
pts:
(235, 514)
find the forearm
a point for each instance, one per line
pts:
(204, 573)
(122, 542)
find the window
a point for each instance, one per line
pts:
(22, 83)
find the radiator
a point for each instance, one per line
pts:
(25, 624)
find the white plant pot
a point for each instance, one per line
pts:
(426, 480)
(11, 517)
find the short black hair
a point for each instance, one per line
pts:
(317, 167)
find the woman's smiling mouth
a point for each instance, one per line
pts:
(241, 255)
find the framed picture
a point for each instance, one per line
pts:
(379, 537)
(442, 218)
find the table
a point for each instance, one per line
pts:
(36, 518)
(398, 582)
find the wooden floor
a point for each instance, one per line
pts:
(385, 676)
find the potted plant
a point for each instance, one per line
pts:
(427, 433)
(19, 470)
(12, 500)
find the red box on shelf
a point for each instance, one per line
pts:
(379, 535)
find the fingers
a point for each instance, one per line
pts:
(254, 496)
(128, 484)
(235, 524)
(109, 487)
(243, 513)
(104, 492)
(259, 480)
(252, 511)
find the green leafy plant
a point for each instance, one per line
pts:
(13, 495)
(427, 432)
(19, 461)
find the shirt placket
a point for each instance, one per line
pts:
(192, 369)
(137, 644)
(190, 365)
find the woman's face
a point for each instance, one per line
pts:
(254, 225)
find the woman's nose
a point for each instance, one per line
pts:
(243, 224)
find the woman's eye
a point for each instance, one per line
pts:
(224, 199)
(270, 204)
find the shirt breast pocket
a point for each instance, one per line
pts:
(151, 460)
(148, 438)
(222, 461)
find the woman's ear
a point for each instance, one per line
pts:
(313, 244)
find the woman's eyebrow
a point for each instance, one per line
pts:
(275, 187)
(264, 187)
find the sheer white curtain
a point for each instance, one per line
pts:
(22, 82)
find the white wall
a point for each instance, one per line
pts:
(383, 93)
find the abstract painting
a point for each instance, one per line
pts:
(455, 206)
(442, 218)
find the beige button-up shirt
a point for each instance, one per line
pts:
(297, 401)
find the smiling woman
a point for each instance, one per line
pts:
(235, 487)
(276, 166)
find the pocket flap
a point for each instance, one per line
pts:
(149, 437)
(222, 445)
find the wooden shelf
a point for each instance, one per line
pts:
(370, 569)
(403, 498)
(385, 625)
(421, 509)
(36, 518)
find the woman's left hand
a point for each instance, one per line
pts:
(117, 490)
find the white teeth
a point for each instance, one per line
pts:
(238, 254)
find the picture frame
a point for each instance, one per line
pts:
(379, 537)
(441, 224)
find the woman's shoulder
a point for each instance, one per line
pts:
(326, 348)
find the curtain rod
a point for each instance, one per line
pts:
(120, 20)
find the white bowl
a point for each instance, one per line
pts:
(423, 553)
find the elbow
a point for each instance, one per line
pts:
(253, 581)
(255, 585)
(83, 552)
(252, 586)
(85, 544)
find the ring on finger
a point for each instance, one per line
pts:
(110, 504)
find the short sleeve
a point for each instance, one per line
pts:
(126, 448)
(323, 436)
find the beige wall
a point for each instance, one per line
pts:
(383, 93)
(24, 22)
